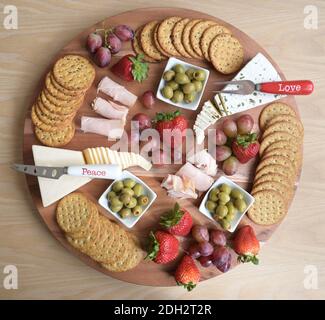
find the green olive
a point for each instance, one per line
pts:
(117, 186)
(181, 78)
(137, 210)
(179, 68)
(169, 75)
(111, 195)
(225, 188)
(223, 197)
(231, 208)
(138, 189)
(236, 194)
(178, 96)
(240, 204)
(125, 198)
(225, 224)
(133, 202)
(173, 85)
(129, 183)
(213, 196)
(167, 92)
(199, 75)
(115, 201)
(189, 72)
(221, 211)
(116, 208)
(143, 200)
(198, 85)
(188, 88)
(128, 191)
(189, 97)
(230, 217)
(125, 212)
(210, 205)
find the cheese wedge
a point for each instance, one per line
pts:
(55, 189)
(104, 155)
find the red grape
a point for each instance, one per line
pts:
(217, 237)
(245, 124)
(94, 42)
(222, 153)
(229, 128)
(114, 43)
(221, 258)
(143, 119)
(103, 57)
(124, 32)
(148, 99)
(193, 251)
(221, 138)
(230, 166)
(205, 248)
(200, 233)
(205, 261)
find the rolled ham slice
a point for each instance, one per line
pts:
(109, 109)
(201, 180)
(179, 187)
(113, 129)
(117, 92)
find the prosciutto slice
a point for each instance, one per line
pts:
(204, 161)
(117, 92)
(113, 129)
(109, 109)
(179, 187)
(201, 180)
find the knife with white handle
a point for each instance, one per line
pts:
(101, 171)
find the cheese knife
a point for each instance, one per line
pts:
(101, 171)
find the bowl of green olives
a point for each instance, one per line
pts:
(182, 84)
(127, 199)
(226, 203)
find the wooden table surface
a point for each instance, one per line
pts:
(46, 270)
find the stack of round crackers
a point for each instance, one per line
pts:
(62, 95)
(280, 162)
(189, 38)
(95, 235)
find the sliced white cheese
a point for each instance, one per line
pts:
(55, 189)
(258, 70)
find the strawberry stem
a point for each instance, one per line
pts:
(244, 258)
(172, 218)
(166, 116)
(189, 286)
(153, 248)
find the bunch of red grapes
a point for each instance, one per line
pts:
(210, 248)
(105, 42)
(229, 131)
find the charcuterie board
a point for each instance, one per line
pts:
(146, 273)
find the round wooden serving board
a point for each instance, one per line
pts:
(146, 273)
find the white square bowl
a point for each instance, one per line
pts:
(129, 222)
(189, 106)
(249, 199)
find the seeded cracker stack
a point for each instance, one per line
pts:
(281, 157)
(96, 236)
(62, 95)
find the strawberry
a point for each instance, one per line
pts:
(163, 247)
(131, 68)
(187, 273)
(178, 221)
(245, 147)
(246, 244)
(175, 123)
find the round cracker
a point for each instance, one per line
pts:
(277, 177)
(42, 125)
(272, 110)
(269, 207)
(276, 136)
(208, 35)
(65, 91)
(275, 168)
(283, 161)
(75, 103)
(286, 126)
(293, 155)
(177, 37)
(74, 72)
(49, 116)
(186, 38)
(148, 43)
(285, 144)
(196, 34)
(286, 118)
(158, 46)
(164, 34)
(58, 138)
(285, 192)
(226, 53)
(138, 49)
